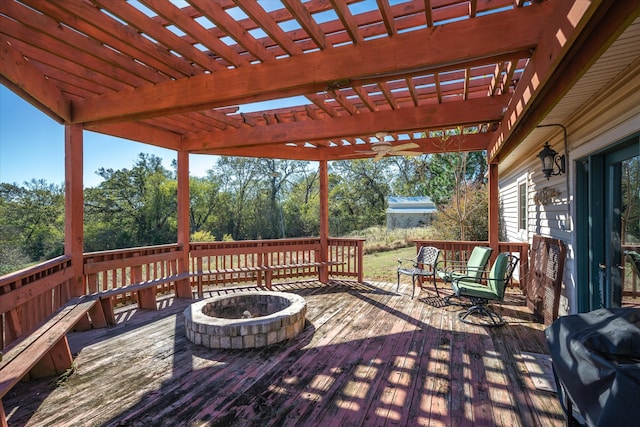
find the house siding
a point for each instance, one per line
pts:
(603, 123)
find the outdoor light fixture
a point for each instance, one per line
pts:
(550, 160)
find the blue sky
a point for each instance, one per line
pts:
(32, 146)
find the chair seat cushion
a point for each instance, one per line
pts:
(472, 289)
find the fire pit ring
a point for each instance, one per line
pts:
(245, 320)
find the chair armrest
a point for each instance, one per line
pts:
(471, 280)
(451, 265)
(462, 268)
(411, 260)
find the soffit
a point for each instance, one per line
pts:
(617, 65)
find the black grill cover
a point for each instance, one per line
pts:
(596, 358)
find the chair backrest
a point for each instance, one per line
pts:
(428, 256)
(477, 262)
(501, 272)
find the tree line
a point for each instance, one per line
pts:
(241, 198)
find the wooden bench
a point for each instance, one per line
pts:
(45, 351)
(146, 295)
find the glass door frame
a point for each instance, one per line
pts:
(596, 195)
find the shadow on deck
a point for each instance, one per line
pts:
(367, 356)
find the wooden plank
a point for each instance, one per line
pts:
(569, 19)
(368, 356)
(20, 358)
(139, 20)
(333, 369)
(24, 293)
(269, 26)
(456, 113)
(347, 19)
(56, 361)
(93, 265)
(269, 81)
(25, 76)
(198, 32)
(142, 285)
(233, 29)
(399, 367)
(304, 18)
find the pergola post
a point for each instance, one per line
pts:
(183, 287)
(74, 205)
(494, 232)
(324, 219)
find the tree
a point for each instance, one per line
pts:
(206, 206)
(358, 195)
(135, 207)
(465, 216)
(278, 176)
(451, 179)
(302, 205)
(238, 176)
(630, 215)
(32, 219)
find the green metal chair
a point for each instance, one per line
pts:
(490, 288)
(422, 265)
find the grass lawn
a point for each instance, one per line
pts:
(381, 266)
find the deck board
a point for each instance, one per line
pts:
(368, 356)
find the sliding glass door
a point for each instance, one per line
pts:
(608, 227)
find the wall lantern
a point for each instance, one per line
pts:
(550, 160)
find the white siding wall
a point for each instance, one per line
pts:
(592, 133)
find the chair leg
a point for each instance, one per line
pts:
(398, 285)
(495, 318)
(435, 286)
(413, 286)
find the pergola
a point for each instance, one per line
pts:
(346, 75)
(314, 80)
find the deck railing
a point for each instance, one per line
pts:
(29, 296)
(456, 251)
(244, 261)
(346, 257)
(108, 270)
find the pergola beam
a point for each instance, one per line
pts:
(458, 113)
(398, 55)
(19, 73)
(467, 142)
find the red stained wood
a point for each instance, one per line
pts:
(284, 78)
(417, 118)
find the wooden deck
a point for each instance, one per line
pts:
(368, 356)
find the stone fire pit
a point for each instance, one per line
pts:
(245, 320)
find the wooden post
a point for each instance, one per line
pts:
(183, 287)
(494, 231)
(323, 271)
(73, 205)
